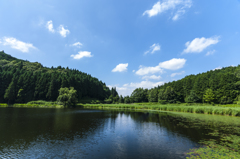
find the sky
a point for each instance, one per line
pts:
(126, 44)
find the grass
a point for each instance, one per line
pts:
(35, 104)
(199, 109)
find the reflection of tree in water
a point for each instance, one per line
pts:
(172, 122)
(23, 126)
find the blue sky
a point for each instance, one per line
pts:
(128, 43)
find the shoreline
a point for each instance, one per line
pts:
(210, 110)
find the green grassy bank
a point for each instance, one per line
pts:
(34, 104)
(229, 110)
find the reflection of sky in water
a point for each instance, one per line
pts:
(92, 134)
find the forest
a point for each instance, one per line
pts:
(221, 86)
(23, 81)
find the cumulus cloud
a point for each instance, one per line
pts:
(49, 26)
(155, 47)
(179, 73)
(178, 6)
(210, 52)
(120, 67)
(153, 77)
(173, 64)
(199, 44)
(77, 44)
(63, 32)
(82, 54)
(17, 44)
(149, 70)
(128, 88)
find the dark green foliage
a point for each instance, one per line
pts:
(153, 95)
(139, 95)
(121, 99)
(127, 99)
(67, 96)
(193, 98)
(41, 83)
(224, 83)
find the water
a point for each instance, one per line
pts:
(83, 133)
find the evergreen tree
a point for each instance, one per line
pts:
(209, 96)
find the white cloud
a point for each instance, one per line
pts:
(173, 64)
(179, 5)
(218, 68)
(133, 70)
(153, 77)
(179, 73)
(128, 88)
(120, 67)
(49, 26)
(63, 32)
(82, 54)
(149, 70)
(199, 44)
(77, 44)
(210, 52)
(155, 47)
(16, 44)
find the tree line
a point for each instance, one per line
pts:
(22, 81)
(216, 86)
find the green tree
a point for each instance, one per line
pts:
(153, 95)
(126, 99)
(67, 96)
(121, 100)
(10, 93)
(209, 96)
(193, 97)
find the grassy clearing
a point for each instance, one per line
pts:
(199, 109)
(35, 104)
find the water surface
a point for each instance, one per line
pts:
(86, 133)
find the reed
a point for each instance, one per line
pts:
(199, 109)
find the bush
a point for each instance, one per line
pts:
(162, 101)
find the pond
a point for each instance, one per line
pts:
(89, 133)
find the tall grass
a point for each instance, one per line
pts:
(214, 110)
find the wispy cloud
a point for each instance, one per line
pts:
(173, 64)
(153, 77)
(49, 26)
(218, 68)
(63, 32)
(179, 73)
(82, 54)
(155, 47)
(199, 44)
(17, 44)
(178, 6)
(77, 44)
(210, 52)
(120, 67)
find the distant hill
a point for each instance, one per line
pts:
(221, 84)
(28, 81)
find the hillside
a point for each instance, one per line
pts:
(28, 81)
(220, 86)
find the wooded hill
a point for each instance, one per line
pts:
(23, 81)
(216, 86)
